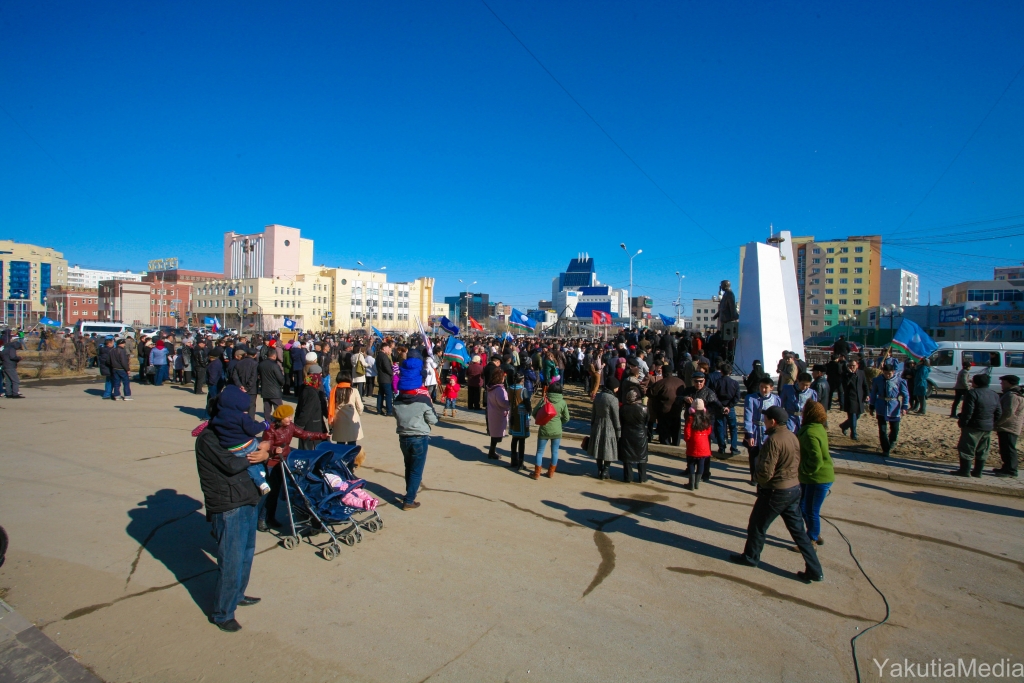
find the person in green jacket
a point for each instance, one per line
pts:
(816, 472)
(552, 430)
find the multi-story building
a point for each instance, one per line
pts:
(27, 272)
(836, 278)
(468, 305)
(270, 277)
(702, 311)
(899, 288)
(125, 301)
(577, 293)
(1011, 273)
(975, 293)
(171, 294)
(69, 305)
(89, 278)
(640, 309)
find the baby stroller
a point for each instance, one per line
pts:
(313, 506)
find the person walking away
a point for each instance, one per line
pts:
(665, 405)
(158, 359)
(753, 420)
(245, 374)
(854, 396)
(778, 495)
(119, 369)
(186, 352)
(143, 351)
(921, 374)
(414, 416)
(9, 360)
(230, 497)
(271, 379)
(200, 361)
(358, 362)
(816, 471)
(498, 406)
(834, 374)
(962, 385)
(385, 375)
(1008, 427)
(215, 374)
(605, 428)
(347, 426)
(450, 393)
(978, 418)
(519, 419)
(633, 417)
(103, 362)
(820, 385)
(311, 406)
(551, 431)
(889, 400)
(697, 435)
(728, 392)
(369, 360)
(794, 396)
(474, 383)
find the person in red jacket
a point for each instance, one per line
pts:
(282, 431)
(697, 435)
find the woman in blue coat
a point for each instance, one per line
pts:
(920, 392)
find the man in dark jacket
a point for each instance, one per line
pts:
(978, 418)
(854, 396)
(298, 355)
(119, 370)
(103, 362)
(778, 494)
(271, 383)
(728, 391)
(9, 360)
(245, 374)
(385, 375)
(834, 375)
(200, 361)
(666, 405)
(231, 498)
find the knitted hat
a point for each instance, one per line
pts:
(698, 405)
(311, 357)
(283, 411)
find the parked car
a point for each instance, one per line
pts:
(102, 329)
(995, 359)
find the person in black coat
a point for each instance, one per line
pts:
(231, 498)
(119, 369)
(271, 383)
(103, 363)
(9, 360)
(200, 361)
(385, 376)
(977, 420)
(245, 374)
(311, 406)
(633, 417)
(854, 396)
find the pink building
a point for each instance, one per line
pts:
(273, 253)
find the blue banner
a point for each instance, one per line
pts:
(914, 340)
(667, 321)
(49, 322)
(449, 327)
(289, 323)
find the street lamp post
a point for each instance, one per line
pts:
(972, 322)
(891, 312)
(679, 298)
(630, 305)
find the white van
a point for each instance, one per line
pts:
(115, 330)
(992, 358)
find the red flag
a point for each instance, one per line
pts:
(475, 325)
(601, 318)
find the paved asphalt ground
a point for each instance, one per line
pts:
(495, 578)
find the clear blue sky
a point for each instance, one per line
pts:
(422, 137)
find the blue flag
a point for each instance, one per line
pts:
(377, 333)
(50, 322)
(449, 327)
(667, 321)
(455, 351)
(508, 336)
(289, 323)
(209, 321)
(912, 339)
(521, 322)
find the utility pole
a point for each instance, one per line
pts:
(638, 252)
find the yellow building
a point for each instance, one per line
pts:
(27, 272)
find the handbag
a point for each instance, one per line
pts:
(547, 412)
(585, 444)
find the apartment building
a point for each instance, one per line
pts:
(27, 272)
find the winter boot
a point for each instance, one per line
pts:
(965, 469)
(536, 472)
(551, 471)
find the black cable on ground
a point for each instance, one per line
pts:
(888, 611)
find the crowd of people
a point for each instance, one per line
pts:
(678, 388)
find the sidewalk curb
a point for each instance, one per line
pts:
(888, 474)
(26, 653)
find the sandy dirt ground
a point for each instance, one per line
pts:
(497, 577)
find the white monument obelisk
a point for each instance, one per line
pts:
(769, 305)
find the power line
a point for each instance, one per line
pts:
(943, 174)
(595, 121)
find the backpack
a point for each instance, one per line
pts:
(360, 368)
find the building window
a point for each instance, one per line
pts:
(828, 302)
(814, 311)
(817, 260)
(829, 291)
(831, 250)
(842, 302)
(858, 280)
(842, 290)
(858, 249)
(843, 280)
(858, 270)
(829, 270)
(856, 302)
(858, 259)
(830, 260)
(817, 251)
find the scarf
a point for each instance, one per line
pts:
(313, 380)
